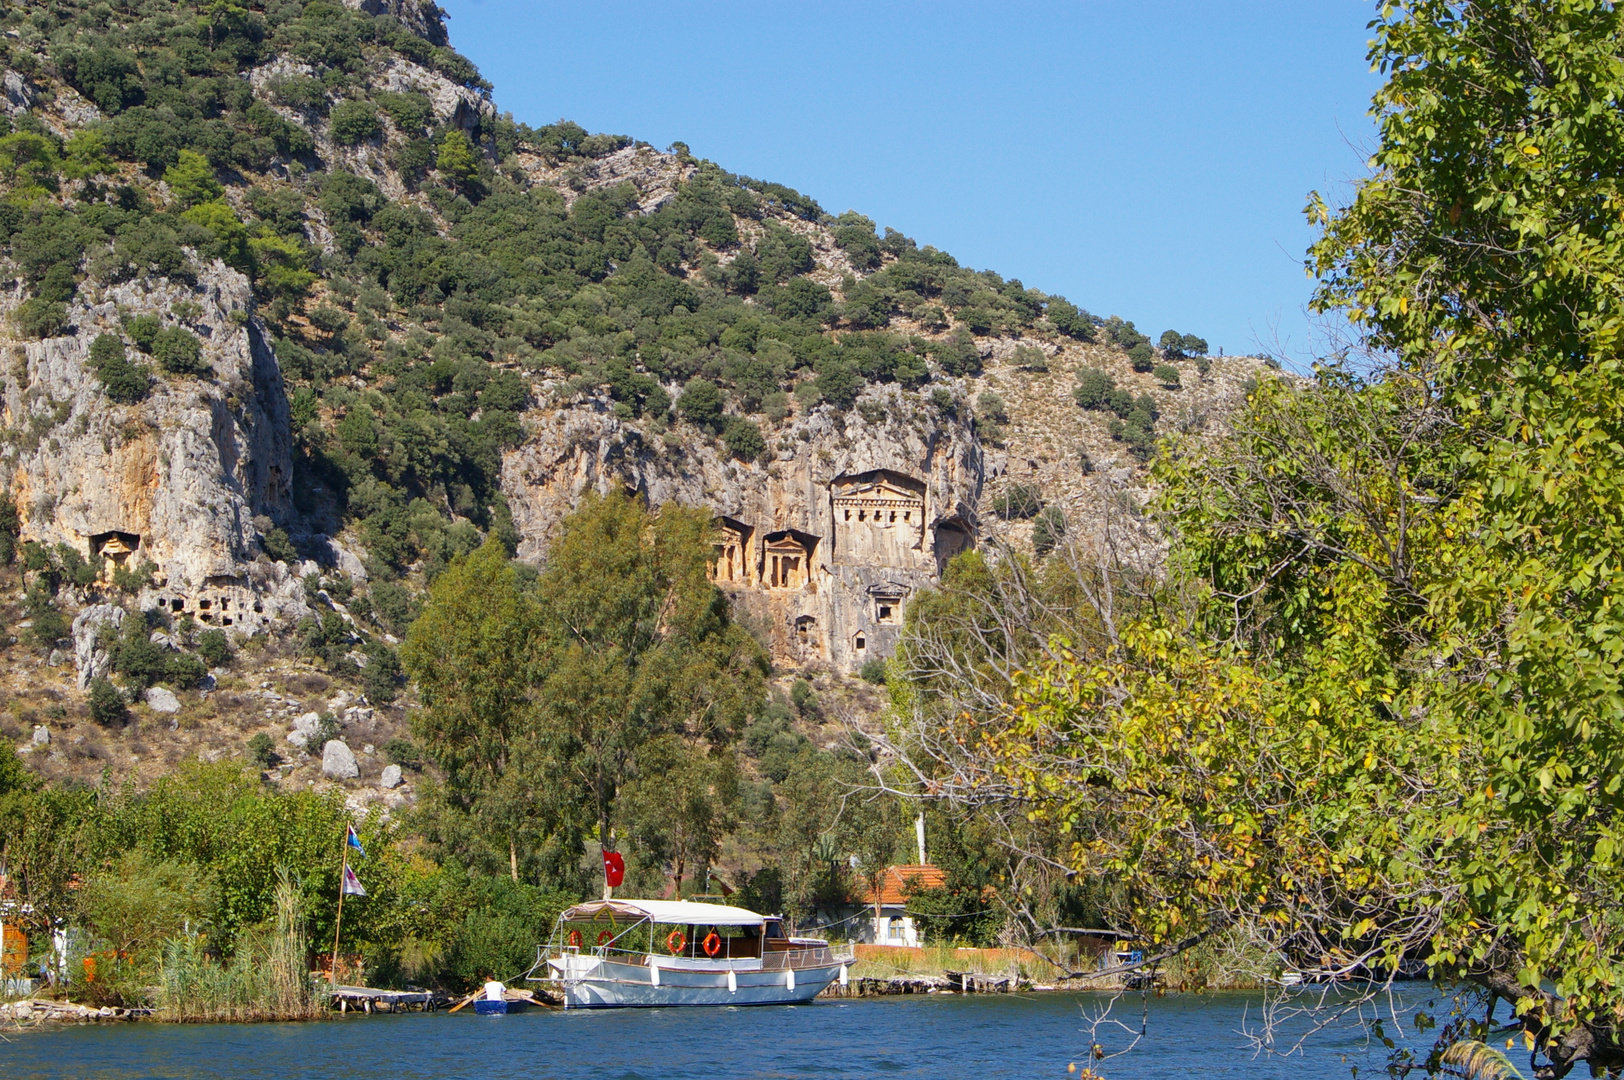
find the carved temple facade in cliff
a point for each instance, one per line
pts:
(838, 598)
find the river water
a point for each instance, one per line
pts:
(954, 1037)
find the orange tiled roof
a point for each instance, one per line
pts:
(897, 879)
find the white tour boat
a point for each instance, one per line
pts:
(619, 953)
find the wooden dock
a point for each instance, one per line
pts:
(975, 982)
(370, 999)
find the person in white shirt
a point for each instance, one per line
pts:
(494, 990)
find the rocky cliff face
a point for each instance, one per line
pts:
(184, 480)
(820, 546)
(639, 269)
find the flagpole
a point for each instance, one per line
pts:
(343, 875)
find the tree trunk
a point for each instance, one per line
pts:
(682, 864)
(513, 859)
(1597, 1045)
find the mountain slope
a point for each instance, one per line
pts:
(296, 316)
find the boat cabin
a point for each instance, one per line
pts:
(680, 929)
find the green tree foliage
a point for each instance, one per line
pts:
(743, 439)
(854, 234)
(1093, 389)
(1031, 358)
(47, 626)
(497, 937)
(990, 406)
(1167, 375)
(39, 318)
(191, 179)
(623, 658)
(456, 160)
(1069, 319)
(471, 654)
(179, 352)
(612, 675)
(261, 751)
(143, 331)
(357, 121)
(229, 240)
(1393, 682)
(139, 901)
(122, 381)
(107, 704)
(701, 404)
(29, 164)
(214, 647)
(10, 528)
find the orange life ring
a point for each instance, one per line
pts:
(575, 938)
(675, 942)
(712, 943)
(605, 935)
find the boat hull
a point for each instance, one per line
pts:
(602, 984)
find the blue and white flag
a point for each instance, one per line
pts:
(354, 841)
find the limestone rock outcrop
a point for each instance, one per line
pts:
(304, 729)
(91, 660)
(422, 17)
(175, 480)
(821, 546)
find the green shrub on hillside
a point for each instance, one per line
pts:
(179, 352)
(1093, 390)
(743, 439)
(214, 647)
(38, 318)
(354, 122)
(107, 704)
(701, 404)
(122, 381)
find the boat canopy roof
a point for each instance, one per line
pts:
(678, 912)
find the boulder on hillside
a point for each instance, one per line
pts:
(92, 661)
(390, 778)
(338, 762)
(162, 700)
(304, 729)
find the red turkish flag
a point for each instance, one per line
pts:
(614, 868)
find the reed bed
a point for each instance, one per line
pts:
(266, 978)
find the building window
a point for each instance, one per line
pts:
(860, 643)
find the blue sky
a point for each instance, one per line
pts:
(1147, 159)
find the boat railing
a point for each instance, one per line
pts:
(816, 956)
(774, 960)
